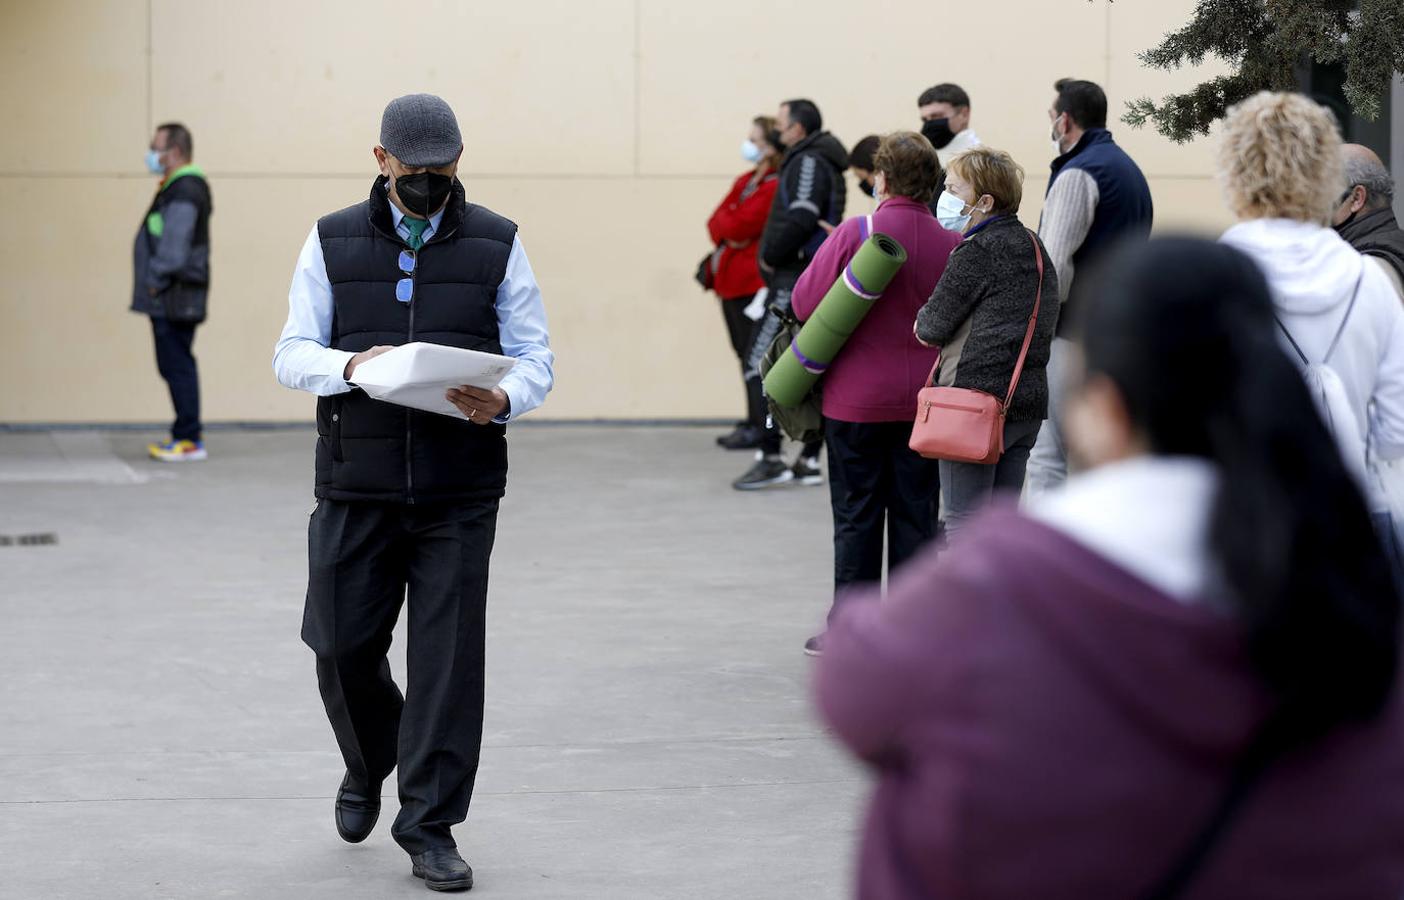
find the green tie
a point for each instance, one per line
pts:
(415, 227)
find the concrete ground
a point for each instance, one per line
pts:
(648, 732)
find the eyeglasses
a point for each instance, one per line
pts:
(404, 288)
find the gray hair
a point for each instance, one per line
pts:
(1373, 177)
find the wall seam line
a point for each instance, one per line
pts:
(1107, 49)
(638, 81)
(150, 53)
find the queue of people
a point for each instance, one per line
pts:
(990, 317)
(1174, 671)
(1186, 644)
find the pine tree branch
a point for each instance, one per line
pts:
(1183, 117)
(1374, 53)
(1263, 41)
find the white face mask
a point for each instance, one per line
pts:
(750, 152)
(1057, 141)
(950, 212)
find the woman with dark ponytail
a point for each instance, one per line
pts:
(1175, 677)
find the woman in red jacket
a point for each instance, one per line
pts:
(736, 228)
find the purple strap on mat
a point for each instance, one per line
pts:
(810, 366)
(856, 286)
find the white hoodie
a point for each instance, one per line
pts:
(1313, 273)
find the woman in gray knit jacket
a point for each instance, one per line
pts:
(978, 316)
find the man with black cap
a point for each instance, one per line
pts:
(407, 500)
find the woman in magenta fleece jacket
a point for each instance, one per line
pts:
(1176, 677)
(876, 483)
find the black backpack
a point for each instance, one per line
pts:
(803, 423)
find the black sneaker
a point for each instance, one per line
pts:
(743, 438)
(814, 646)
(807, 472)
(768, 472)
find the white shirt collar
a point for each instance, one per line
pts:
(1149, 515)
(963, 141)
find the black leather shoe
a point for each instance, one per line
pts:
(357, 808)
(442, 869)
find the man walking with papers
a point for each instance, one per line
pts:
(408, 499)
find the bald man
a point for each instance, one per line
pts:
(1365, 217)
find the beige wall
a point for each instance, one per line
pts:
(608, 129)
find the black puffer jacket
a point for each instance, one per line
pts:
(811, 188)
(979, 313)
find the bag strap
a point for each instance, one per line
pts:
(1349, 309)
(1033, 322)
(1291, 340)
(865, 228)
(1339, 331)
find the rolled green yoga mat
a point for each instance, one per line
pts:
(834, 321)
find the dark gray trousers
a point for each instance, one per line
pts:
(364, 560)
(966, 488)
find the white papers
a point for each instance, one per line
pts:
(417, 375)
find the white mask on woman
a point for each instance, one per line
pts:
(750, 152)
(950, 212)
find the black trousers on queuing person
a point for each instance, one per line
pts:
(877, 485)
(362, 558)
(175, 360)
(968, 487)
(742, 332)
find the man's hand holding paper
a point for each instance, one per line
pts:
(363, 356)
(480, 406)
(435, 378)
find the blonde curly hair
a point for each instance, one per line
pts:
(1280, 158)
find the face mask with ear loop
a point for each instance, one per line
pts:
(1057, 141)
(950, 212)
(423, 193)
(938, 132)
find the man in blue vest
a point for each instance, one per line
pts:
(1097, 198)
(407, 500)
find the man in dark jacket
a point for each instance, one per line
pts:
(812, 189)
(172, 265)
(1365, 217)
(808, 205)
(407, 500)
(1097, 198)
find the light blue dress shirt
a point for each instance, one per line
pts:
(303, 360)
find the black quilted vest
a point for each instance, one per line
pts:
(371, 450)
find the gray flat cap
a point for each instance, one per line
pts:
(420, 130)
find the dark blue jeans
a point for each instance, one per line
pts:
(176, 363)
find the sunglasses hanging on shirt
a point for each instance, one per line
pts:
(404, 288)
